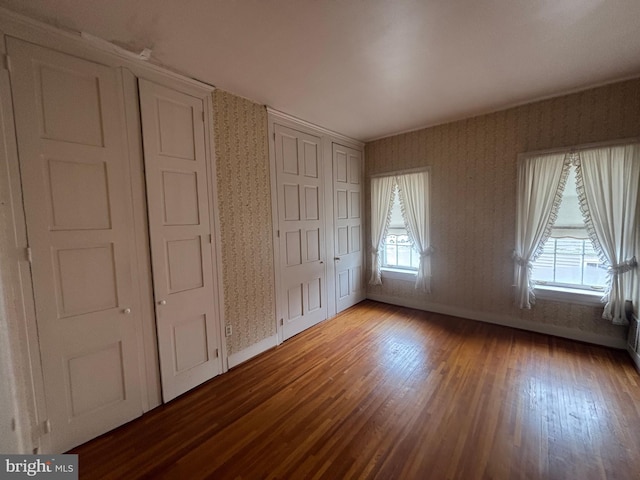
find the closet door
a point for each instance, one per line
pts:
(180, 232)
(301, 230)
(77, 197)
(348, 215)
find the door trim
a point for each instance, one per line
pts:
(73, 43)
(18, 304)
(141, 233)
(293, 122)
(216, 239)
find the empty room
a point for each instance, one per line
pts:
(297, 239)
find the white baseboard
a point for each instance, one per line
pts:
(505, 320)
(242, 356)
(635, 357)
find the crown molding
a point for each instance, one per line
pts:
(337, 136)
(30, 29)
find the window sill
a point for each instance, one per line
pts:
(398, 274)
(569, 295)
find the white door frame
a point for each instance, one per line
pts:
(327, 137)
(17, 304)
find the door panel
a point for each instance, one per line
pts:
(301, 229)
(180, 233)
(77, 207)
(347, 188)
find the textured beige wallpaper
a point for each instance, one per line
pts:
(473, 166)
(244, 196)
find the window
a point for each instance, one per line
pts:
(398, 251)
(403, 247)
(577, 226)
(568, 257)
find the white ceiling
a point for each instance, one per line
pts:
(370, 68)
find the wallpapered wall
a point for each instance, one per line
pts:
(244, 192)
(473, 165)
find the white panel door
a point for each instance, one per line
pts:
(180, 233)
(78, 212)
(301, 230)
(348, 226)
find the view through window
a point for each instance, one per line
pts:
(568, 258)
(397, 249)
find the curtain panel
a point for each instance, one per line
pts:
(608, 180)
(541, 181)
(413, 189)
(381, 201)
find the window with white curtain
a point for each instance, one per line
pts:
(577, 225)
(398, 251)
(400, 232)
(568, 258)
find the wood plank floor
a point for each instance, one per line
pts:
(387, 392)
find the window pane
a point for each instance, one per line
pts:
(404, 255)
(398, 251)
(595, 274)
(415, 260)
(390, 255)
(569, 261)
(543, 267)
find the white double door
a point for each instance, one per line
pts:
(71, 135)
(301, 204)
(77, 197)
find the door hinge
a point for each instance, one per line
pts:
(6, 62)
(209, 238)
(202, 115)
(29, 254)
(217, 354)
(274, 136)
(282, 322)
(42, 429)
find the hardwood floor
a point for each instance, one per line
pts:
(387, 392)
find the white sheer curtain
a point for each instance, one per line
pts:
(381, 200)
(413, 189)
(608, 180)
(541, 181)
